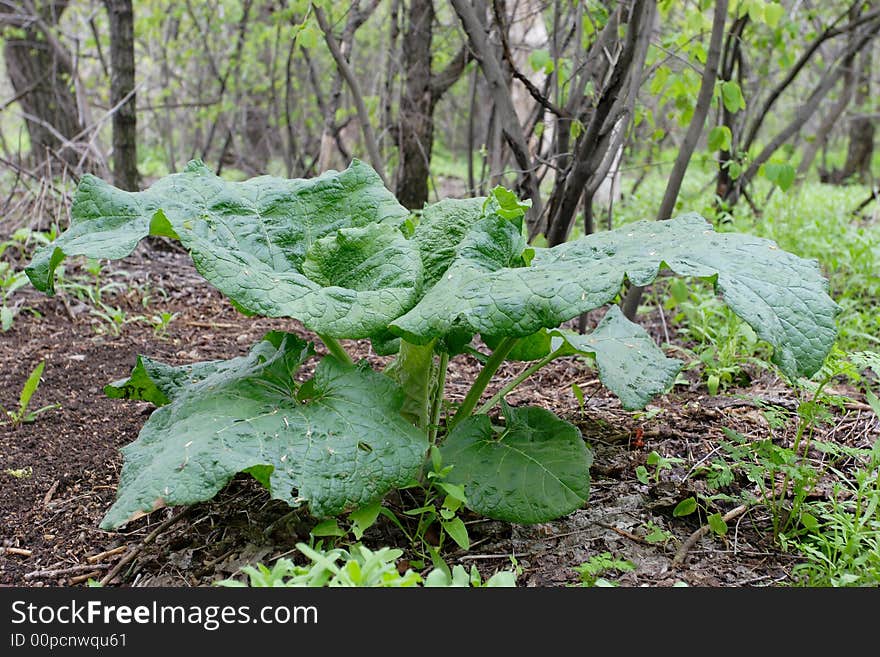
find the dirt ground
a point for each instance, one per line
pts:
(59, 473)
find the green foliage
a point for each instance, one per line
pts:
(499, 467)
(12, 277)
(732, 96)
(339, 254)
(841, 544)
(717, 342)
(592, 570)
(17, 416)
(360, 567)
(811, 220)
(781, 174)
(250, 415)
(719, 139)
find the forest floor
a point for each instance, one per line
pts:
(59, 473)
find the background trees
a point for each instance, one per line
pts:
(551, 97)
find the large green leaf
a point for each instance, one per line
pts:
(442, 227)
(535, 469)
(336, 442)
(783, 297)
(325, 251)
(630, 363)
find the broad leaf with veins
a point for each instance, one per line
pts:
(336, 442)
(326, 251)
(534, 469)
(783, 297)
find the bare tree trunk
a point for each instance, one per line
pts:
(357, 16)
(125, 173)
(42, 79)
(416, 136)
(832, 118)
(595, 149)
(422, 91)
(862, 127)
(351, 80)
(731, 59)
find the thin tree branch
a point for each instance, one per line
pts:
(802, 61)
(357, 96)
(528, 84)
(443, 80)
(505, 112)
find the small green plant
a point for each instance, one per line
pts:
(22, 414)
(840, 541)
(659, 463)
(654, 533)
(785, 477)
(339, 254)
(113, 318)
(12, 277)
(20, 473)
(161, 322)
(359, 567)
(592, 570)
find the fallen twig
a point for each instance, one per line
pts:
(95, 558)
(679, 557)
(79, 579)
(58, 572)
(49, 493)
(626, 534)
(14, 550)
(136, 550)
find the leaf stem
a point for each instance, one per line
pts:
(473, 396)
(515, 381)
(434, 425)
(336, 349)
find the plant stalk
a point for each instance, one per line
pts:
(515, 381)
(434, 425)
(473, 396)
(336, 349)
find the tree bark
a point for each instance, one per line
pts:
(422, 91)
(594, 149)
(730, 59)
(416, 135)
(330, 139)
(121, 14)
(349, 77)
(42, 78)
(861, 127)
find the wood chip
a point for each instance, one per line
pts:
(14, 550)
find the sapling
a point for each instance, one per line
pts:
(342, 256)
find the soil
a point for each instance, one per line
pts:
(59, 473)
